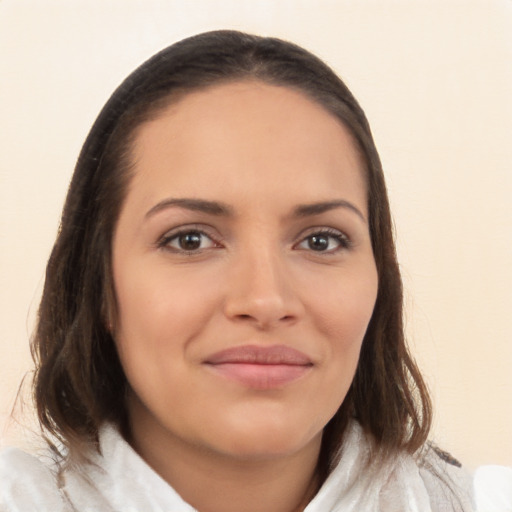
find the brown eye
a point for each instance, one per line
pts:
(318, 242)
(325, 241)
(188, 241)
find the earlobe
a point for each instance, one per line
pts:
(108, 316)
(108, 324)
(108, 308)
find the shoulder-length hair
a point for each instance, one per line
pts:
(79, 382)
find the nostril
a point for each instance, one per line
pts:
(262, 307)
(245, 316)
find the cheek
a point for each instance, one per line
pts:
(342, 314)
(159, 315)
(156, 301)
(345, 307)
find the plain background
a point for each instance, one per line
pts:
(435, 79)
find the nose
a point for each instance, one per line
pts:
(261, 291)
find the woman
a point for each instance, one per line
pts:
(221, 323)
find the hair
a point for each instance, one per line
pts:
(79, 382)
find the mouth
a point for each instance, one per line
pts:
(259, 367)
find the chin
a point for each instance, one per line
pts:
(262, 450)
(265, 440)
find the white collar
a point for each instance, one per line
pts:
(126, 482)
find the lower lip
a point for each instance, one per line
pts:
(261, 376)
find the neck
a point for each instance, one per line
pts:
(216, 482)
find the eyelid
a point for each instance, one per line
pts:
(171, 234)
(344, 240)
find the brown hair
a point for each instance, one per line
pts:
(79, 381)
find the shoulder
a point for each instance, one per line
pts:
(493, 487)
(448, 484)
(27, 483)
(427, 480)
(366, 479)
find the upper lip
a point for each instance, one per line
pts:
(256, 354)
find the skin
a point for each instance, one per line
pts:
(256, 276)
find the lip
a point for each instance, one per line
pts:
(260, 367)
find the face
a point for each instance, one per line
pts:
(243, 271)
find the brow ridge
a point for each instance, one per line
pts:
(222, 209)
(198, 205)
(307, 210)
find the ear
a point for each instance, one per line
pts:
(108, 310)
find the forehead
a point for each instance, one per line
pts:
(247, 136)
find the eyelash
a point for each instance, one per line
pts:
(165, 241)
(341, 239)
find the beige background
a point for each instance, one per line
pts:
(435, 78)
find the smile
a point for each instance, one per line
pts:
(259, 367)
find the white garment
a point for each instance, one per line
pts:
(493, 488)
(121, 481)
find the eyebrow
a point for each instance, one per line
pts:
(221, 209)
(306, 210)
(197, 205)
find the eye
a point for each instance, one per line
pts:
(187, 241)
(328, 241)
